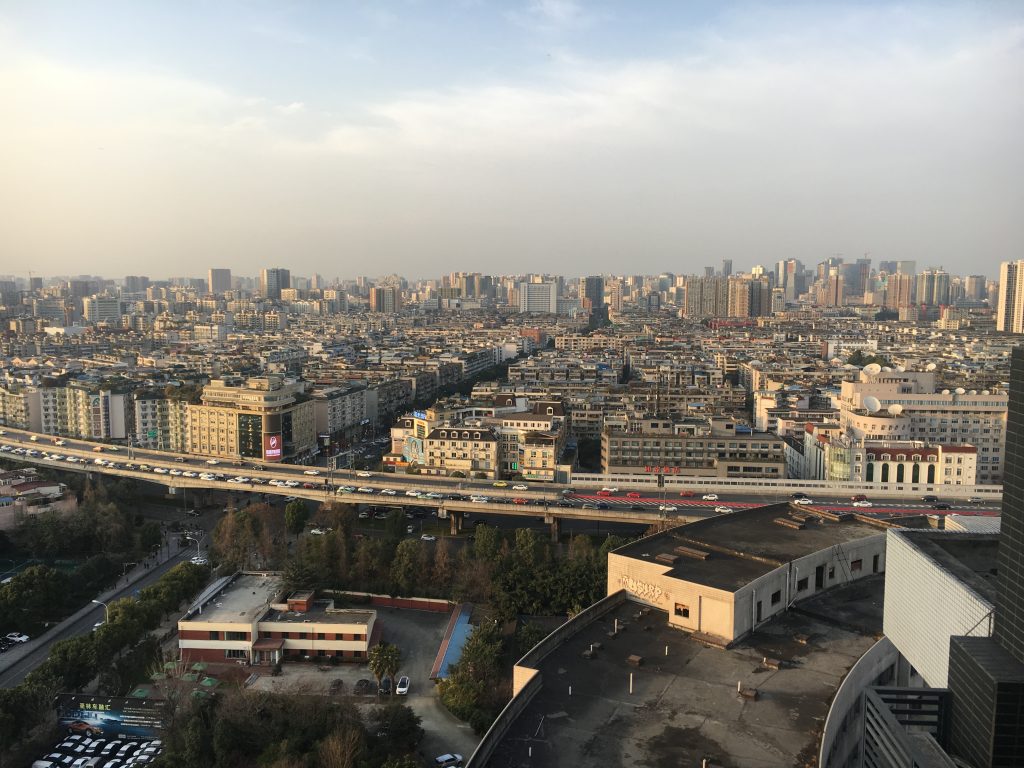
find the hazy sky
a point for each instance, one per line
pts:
(163, 138)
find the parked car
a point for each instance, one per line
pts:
(402, 688)
(385, 686)
(448, 759)
(319, 531)
(428, 537)
(17, 637)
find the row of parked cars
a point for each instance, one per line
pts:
(81, 750)
(11, 639)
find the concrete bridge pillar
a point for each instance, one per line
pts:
(556, 528)
(456, 521)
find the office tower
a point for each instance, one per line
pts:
(986, 674)
(615, 295)
(218, 281)
(592, 290)
(789, 275)
(102, 309)
(272, 281)
(707, 296)
(136, 284)
(899, 290)
(749, 297)
(889, 267)
(726, 267)
(1010, 309)
(709, 271)
(974, 288)
(906, 267)
(933, 287)
(538, 298)
(385, 299)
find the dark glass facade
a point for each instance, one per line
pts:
(1009, 630)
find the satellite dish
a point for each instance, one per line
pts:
(985, 392)
(973, 392)
(872, 404)
(961, 391)
(930, 367)
(895, 409)
(945, 391)
(872, 369)
(836, 361)
(887, 369)
(849, 367)
(899, 369)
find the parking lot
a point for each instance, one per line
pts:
(418, 635)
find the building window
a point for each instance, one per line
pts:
(776, 597)
(232, 653)
(214, 635)
(236, 635)
(801, 585)
(856, 566)
(682, 610)
(831, 572)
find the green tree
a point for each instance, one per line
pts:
(401, 726)
(384, 660)
(486, 545)
(150, 536)
(296, 514)
(407, 566)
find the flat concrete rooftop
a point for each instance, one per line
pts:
(748, 544)
(243, 600)
(684, 706)
(321, 612)
(971, 557)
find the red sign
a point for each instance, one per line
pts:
(272, 447)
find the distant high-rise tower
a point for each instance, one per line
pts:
(136, 284)
(385, 299)
(273, 280)
(726, 267)
(538, 298)
(974, 288)
(593, 292)
(899, 289)
(1010, 309)
(218, 281)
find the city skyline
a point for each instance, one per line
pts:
(477, 136)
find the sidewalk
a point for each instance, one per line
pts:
(121, 589)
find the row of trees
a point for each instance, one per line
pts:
(120, 651)
(240, 728)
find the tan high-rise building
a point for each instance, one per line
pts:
(899, 290)
(262, 419)
(1010, 310)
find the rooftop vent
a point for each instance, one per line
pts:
(796, 525)
(667, 558)
(692, 552)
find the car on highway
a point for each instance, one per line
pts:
(175, 472)
(311, 472)
(802, 495)
(479, 499)
(433, 495)
(413, 492)
(520, 487)
(388, 492)
(723, 510)
(365, 489)
(402, 687)
(364, 514)
(448, 760)
(930, 498)
(941, 505)
(186, 473)
(667, 508)
(55, 442)
(520, 501)
(803, 500)
(634, 495)
(610, 489)
(710, 497)
(157, 470)
(604, 492)
(862, 503)
(364, 473)
(428, 537)
(858, 497)
(603, 505)
(500, 484)
(212, 462)
(16, 637)
(974, 500)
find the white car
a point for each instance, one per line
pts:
(805, 501)
(212, 462)
(200, 560)
(174, 472)
(364, 473)
(59, 442)
(17, 637)
(413, 493)
(862, 503)
(364, 515)
(428, 537)
(722, 510)
(710, 497)
(402, 688)
(189, 473)
(433, 495)
(365, 489)
(161, 470)
(311, 472)
(479, 499)
(667, 508)
(276, 482)
(319, 531)
(448, 760)
(520, 487)
(291, 483)
(609, 489)
(388, 492)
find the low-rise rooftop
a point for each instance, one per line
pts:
(243, 599)
(677, 703)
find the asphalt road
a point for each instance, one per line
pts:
(17, 671)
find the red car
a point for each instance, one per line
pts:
(686, 493)
(520, 501)
(604, 493)
(634, 495)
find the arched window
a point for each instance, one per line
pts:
(915, 474)
(931, 473)
(900, 474)
(885, 473)
(871, 471)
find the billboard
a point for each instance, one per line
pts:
(272, 446)
(110, 717)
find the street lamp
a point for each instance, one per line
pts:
(106, 610)
(193, 538)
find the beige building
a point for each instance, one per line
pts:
(471, 450)
(263, 419)
(241, 619)
(725, 576)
